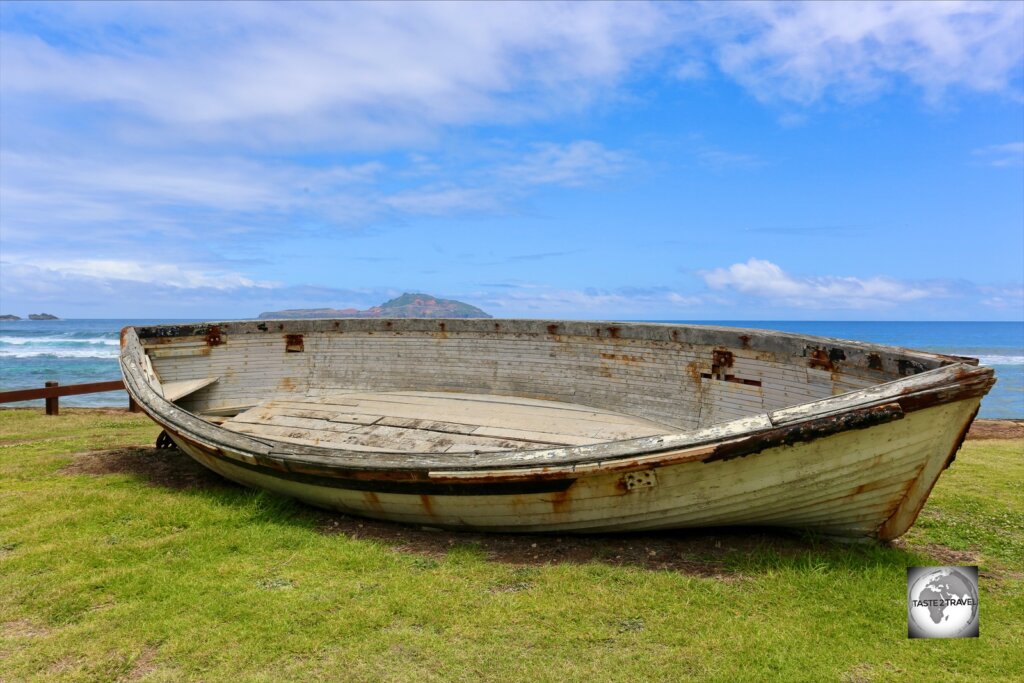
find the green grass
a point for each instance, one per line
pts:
(113, 576)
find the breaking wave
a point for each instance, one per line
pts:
(986, 359)
(63, 346)
(59, 353)
(59, 341)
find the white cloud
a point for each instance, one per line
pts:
(683, 300)
(1007, 297)
(803, 52)
(125, 273)
(382, 74)
(444, 200)
(107, 204)
(96, 287)
(1009, 154)
(109, 198)
(531, 299)
(692, 70)
(201, 125)
(720, 159)
(765, 280)
(571, 165)
(354, 73)
(232, 184)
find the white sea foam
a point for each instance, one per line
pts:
(24, 341)
(1001, 360)
(59, 353)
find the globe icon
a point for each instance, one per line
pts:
(944, 603)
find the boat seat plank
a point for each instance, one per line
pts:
(434, 423)
(226, 411)
(176, 390)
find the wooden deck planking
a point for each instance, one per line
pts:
(435, 422)
(471, 404)
(575, 422)
(480, 402)
(379, 432)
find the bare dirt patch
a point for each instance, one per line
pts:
(169, 468)
(940, 553)
(95, 411)
(705, 553)
(865, 672)
(79, 411)
(23, 628)
(143, 665)
(64, 666)
(996, 429)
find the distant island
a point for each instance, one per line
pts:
(31, 316)
(409, 305)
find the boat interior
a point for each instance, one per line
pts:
(430, 386)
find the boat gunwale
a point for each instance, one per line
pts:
(614, 329)
(954, 378)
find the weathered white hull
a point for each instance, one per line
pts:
(847, 484)
(858, 464)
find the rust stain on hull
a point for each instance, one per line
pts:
(428, 505)
(819, 359)
(561, 501)
(902, 519)
(693, 370)
(372, 501)
(622, 357)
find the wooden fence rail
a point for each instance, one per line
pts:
(53, 391)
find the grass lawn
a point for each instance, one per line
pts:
(139, 565)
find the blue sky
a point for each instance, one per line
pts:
(633, 161)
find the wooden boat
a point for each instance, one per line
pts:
(529, 425)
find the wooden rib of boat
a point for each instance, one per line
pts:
(526, 425)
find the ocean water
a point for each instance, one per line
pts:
(76, 351)
(33, 352)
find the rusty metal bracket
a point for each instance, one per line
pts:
(721, 361)
(213, 336)
(644, 479)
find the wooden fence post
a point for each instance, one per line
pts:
(52, 391)
(52, 404)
